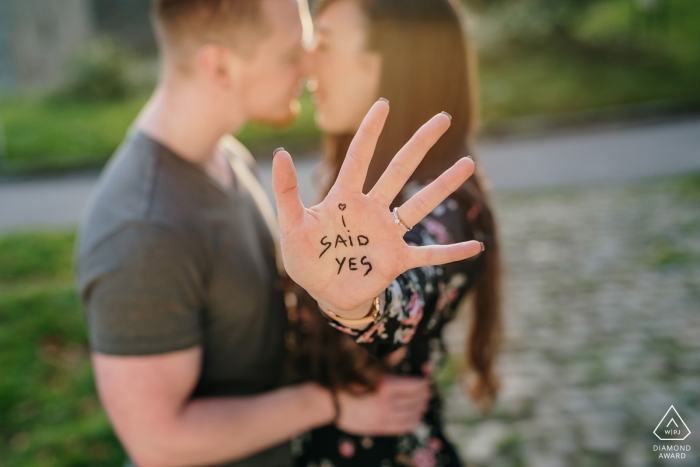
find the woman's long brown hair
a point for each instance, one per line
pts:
(427, 67)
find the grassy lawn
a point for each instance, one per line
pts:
(49, 411)
(44, 136)
(662, 64)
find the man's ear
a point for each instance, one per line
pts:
(218, 65)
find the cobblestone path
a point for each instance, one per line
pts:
(603, 329)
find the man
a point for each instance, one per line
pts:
(176, 258)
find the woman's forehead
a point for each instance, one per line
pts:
(342, 22)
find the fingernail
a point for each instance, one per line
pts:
(384, 100)
(448, 115)
(483, 247)
(472, 159)
(276, 151)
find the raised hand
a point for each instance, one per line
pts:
(345, 250)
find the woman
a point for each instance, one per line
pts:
(414, 53)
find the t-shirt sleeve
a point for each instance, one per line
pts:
(142, 290)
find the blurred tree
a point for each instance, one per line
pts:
(534, 21)
(128, 21)
(650, 16)
(98, 72)
(511, 25)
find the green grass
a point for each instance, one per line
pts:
(36, 257)
(665, 254)
(49, 411)
(688, 185)
(43, 136)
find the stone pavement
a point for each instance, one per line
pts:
(573, 157)
(602, 291)
(605, 154)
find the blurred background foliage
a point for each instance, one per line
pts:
(558, 56)
(554, 59)
(98, 72)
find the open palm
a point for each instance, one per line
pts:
(347, 249)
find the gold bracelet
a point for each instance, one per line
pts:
(371, 317)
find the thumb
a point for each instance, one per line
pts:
(285, 187)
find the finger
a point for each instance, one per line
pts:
(426, 200)
(409, 395)
(354, 169)
(398, 386)
(285, 187)
(410, 403)
(440, 254)
(407, 159)
(415, 404)
(413, 397)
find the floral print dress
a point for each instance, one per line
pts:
(415, 308)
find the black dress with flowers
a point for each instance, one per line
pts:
(415, 308)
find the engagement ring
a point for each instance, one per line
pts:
(398, 221)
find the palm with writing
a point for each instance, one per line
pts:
(347, 249)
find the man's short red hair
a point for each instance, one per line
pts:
(180, 24)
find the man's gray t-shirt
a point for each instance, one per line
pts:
(168, 259)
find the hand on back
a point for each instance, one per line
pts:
(396, 408)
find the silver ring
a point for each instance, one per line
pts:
(398, 221)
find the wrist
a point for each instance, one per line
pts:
(322, 400)
(361, 311)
